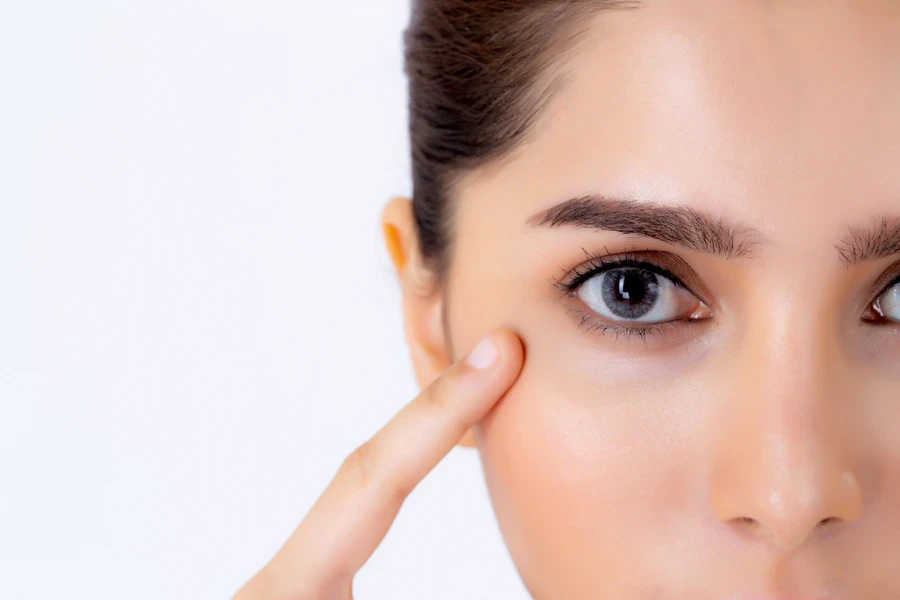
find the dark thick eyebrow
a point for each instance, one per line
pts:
(864, 244)
(679, 225)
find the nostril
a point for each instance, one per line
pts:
(826, 521)
(747, 523)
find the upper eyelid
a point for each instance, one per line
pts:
(595, 270)
(600, 263)
(890, 284)
(597, 263)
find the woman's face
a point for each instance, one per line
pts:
(744, 438)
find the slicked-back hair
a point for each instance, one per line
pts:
(476, 86)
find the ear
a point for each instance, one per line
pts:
(422, 297)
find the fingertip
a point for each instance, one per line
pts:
(485, 354)
(510, 348)
(492, 366)
(498, 356)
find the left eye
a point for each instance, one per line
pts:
(635, 294)
(888, 304)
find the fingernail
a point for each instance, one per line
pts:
(484, 354)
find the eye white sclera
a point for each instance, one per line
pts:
(890, 303)
(667, 307)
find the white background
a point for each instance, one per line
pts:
(197, 318)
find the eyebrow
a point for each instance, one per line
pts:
(679, 225)
(864, 244)
(694, 229)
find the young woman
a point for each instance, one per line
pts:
(679, 222)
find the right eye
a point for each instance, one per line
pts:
(633, 294)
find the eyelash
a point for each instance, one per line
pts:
(598, 263)
(590, 325)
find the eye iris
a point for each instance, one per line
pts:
(630, 293)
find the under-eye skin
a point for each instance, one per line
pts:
(632, 294)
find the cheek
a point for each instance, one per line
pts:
(582, 475)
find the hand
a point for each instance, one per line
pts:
(351, 517)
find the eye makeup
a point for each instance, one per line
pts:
(636, 279)
(616, 290)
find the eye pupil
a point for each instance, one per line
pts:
(630, 293)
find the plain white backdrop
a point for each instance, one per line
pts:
(197, 318)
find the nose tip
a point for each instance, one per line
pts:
(786, 515)
(782, 538)
(786, 452)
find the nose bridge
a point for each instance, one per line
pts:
(782, 469)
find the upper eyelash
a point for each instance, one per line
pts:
(890, 284)
(597, 263)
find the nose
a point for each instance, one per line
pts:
(784, 466)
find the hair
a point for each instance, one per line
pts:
(475, 71)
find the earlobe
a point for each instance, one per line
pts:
(425, 335)
(422, 297)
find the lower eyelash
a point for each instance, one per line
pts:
(893, 326)
(591, 325)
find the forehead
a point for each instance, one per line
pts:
(765, 111)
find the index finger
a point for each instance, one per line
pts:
(352, 516)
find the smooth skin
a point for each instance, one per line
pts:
(751, 454)
(755, 453)
(353, 514)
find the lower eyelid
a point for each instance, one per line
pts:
(590, 324)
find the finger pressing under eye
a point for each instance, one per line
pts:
(352, 516)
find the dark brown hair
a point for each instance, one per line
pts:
(474, 71)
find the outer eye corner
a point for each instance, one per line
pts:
(873, 312)
(886, 307)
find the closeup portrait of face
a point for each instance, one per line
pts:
(690, 213)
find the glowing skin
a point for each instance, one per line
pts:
(753, 451)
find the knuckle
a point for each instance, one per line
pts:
(361, 474)
(439, 392)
